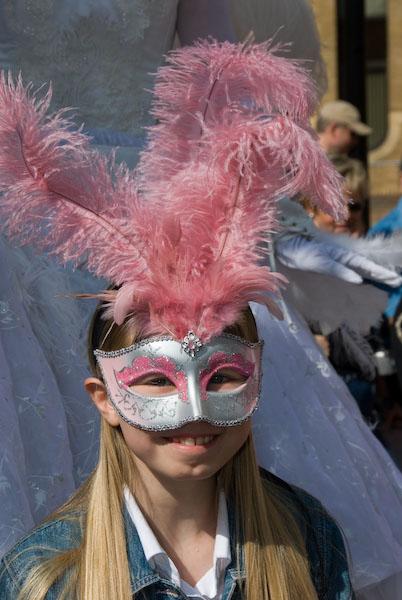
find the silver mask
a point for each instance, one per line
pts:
(190, 373)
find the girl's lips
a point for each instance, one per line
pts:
(191, 441)
(200, 440)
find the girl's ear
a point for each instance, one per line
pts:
(96, 389)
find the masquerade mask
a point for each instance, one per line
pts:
(160, 383)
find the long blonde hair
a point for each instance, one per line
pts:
(267, 534)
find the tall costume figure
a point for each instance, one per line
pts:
(99, 57)
(178, 373)
(274, 123)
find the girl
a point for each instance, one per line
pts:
(177, 506)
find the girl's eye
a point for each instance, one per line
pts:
(225, 380)
(218, 378)
(160, 381)
(154, 385)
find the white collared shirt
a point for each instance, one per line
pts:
(210, 586)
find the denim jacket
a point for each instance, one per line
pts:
(325, 551)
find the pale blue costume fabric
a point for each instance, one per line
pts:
(49, 428)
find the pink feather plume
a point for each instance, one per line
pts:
(175, 266)
(184, 236)
(61, 196)
(204, 266)
(228, 87)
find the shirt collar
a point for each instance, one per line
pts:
(156, 557)
(150, 544)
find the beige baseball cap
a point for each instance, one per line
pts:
(343, 112)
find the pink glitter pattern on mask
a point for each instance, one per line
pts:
(160, 365)
(220, 360)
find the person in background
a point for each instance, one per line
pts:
(389, 335)
(393, 220)
(339, 127)
(356, 190)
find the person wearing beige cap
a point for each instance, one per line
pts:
(339, 127)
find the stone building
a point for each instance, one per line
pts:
(362, 47)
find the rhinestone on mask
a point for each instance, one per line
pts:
(191, 344)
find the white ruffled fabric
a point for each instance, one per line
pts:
(99, 55)
(49, 429)
(309, 431)
(48, 426)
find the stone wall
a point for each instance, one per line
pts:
(383, 162)
(325, 14)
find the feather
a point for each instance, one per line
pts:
(61, 196)
(204, 265)
(208, 77)
(210, 88)
(58, 194)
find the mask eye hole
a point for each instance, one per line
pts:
(225, 380)
(155, 384)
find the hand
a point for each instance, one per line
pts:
(322, 257)
(323, 344)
